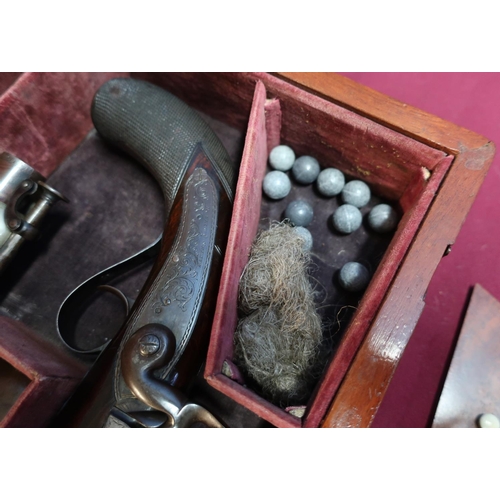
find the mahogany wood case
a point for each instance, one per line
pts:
(364, 386)
(431, 170)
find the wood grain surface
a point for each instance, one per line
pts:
(411, 121)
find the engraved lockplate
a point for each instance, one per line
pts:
(176, 295)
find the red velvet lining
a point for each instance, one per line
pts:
(245, 218)
(6, 80)
(44, 116)
(244, 224)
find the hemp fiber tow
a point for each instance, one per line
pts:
(278, 338)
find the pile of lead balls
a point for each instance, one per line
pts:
(355, 194)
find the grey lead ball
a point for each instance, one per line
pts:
(382, 218)
(276, 185)
(300, 213)
(330, 182)
(282, 158)
(306, 169)
(346, 219)
(306, 235)
(356, 193)
(354, 277)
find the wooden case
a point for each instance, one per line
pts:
(430, 169)
(399, 168)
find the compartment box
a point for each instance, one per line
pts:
(405, 156)
(35, 380)
(430, 169)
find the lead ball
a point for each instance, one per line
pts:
(356, 193)
(346, 219)
(282, 158)
(276, 185)
(330, 182)
(306, 169)
(354, 277)
(300, 213)
(306, 235)
(382, 218)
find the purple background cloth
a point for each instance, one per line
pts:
(471, 100)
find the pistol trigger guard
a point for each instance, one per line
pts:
(127, 301)
(76, 301)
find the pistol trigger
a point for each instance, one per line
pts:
(127, 301)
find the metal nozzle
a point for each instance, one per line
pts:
(25, 199)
